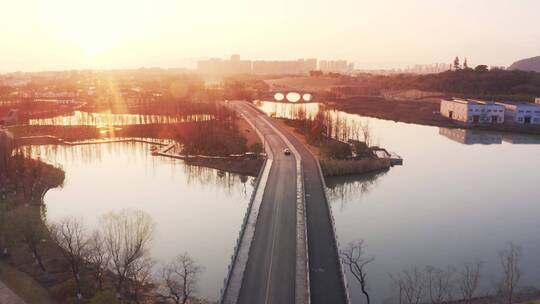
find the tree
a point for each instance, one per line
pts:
(469, 281)
(439, 284)
(465, 64)
(510, 258)
(140, 278)
(411, 285)
(256, 147)
(457, 66)
(70, 235)
(98, 257)
(366, 134)
(354, 258)
(126, 235)
(481, 68)
(27, 225)
(180, 278)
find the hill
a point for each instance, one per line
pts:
(529, 64)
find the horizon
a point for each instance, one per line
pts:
(170, 34)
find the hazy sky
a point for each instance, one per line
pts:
(72, 34)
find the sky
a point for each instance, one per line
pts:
(78, 34)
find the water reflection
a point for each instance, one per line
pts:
(79, 118)
(452, 202)
(198, 210)
(345, 189)
(289, 110)
(472, 137)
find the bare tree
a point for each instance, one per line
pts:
(99, 257)
(439, 284)
(366, 134)
(180, 278)
(126, 235)
(469, 281)
(140, 279)
(510, 258)
(70, 235)
(354, 258)
(411, 286)
(27, 225)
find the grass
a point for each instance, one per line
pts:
(337, 167)
(24, 286)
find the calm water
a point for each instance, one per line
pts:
(197, 210)
(460, 196)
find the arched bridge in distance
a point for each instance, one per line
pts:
(290, 96)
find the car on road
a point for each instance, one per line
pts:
(286, 151)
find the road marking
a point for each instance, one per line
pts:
(269, 277)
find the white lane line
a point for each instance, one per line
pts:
(302, 288)
(274, 233)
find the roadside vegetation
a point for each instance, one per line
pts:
(463, 284)
(331, 140)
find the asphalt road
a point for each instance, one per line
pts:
(324, 271)
(270, 272)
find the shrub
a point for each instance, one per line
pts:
(335, 167)
(256, 147)
(104, 297)
(336, 149)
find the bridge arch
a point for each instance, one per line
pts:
(293, 96)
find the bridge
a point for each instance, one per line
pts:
(290, 96)
(287, 251)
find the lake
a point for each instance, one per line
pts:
(197, 210)
(460, 197)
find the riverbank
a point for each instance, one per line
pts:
(240, 140)
(416, 111)
(337, 167)
(23, 185)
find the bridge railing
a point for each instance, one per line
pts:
(234, 256)
(336, 239)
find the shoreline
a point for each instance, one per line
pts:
(329, 166)
(420, 112)
(242, 165)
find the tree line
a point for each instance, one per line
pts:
(478, 82)
(453, 284)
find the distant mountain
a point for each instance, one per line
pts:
(529, 64)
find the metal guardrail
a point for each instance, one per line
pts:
(226, 281)
(240, 235)
(304, 211)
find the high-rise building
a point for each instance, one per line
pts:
(336, 66)
(217, 66)
(310, 64)
(301, 66)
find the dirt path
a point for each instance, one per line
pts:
(9, 297)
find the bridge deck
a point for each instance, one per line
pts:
(269, 276)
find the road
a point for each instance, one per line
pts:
(324, 266)
(271, 267)
(269, 276)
